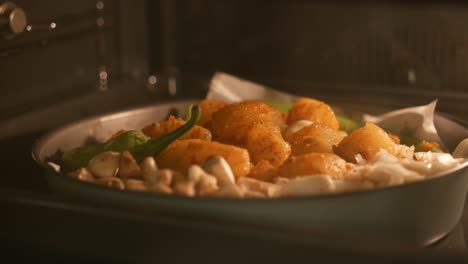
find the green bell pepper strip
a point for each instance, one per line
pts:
(418, 145)
(346, 124)
(126, 141)
(137, 143)
(80, 157)
(419, 148)
(281, 106)
(154, 146)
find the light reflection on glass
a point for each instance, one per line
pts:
(411, 76)
(100, 21)
(152, 80)
(100, 5)
(103, 75)
(172, 86)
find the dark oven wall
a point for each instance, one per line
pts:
(63, 54)
(353, 48)
(79, 58)
(58, 55)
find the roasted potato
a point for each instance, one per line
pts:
(313, 110)
(265, 144)
(367, 141)
(183, 153)
(315, 138)
(232, 123)
(208, 107)
(157, 130)
(263, 171)
(313, 164)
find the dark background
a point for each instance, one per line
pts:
(415, 51)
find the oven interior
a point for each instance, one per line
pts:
(65, 60)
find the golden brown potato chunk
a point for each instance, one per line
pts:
(367, 141)
(157, 130)
(265, 144)
(183, 153)
(263, 171)
(313, 163)
(313, 110)
(232, 123)
(208, 107)
(315, 138)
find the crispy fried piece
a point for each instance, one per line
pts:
(232, 123)
(265, 144)
(263, 171)
(315, 138)
(157, 130)
(208, 107)
(312, 164)
(313, 110)
(367, 141)
(183, 153)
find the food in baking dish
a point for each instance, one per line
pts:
(251, 149)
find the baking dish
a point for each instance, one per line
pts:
(417, 213)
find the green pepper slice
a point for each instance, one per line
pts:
(137, 143)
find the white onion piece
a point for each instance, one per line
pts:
(135, 185)
(308, 185)
(218, 167)
(389, 174)
(149, 169)
(296, 126)
(128, 167)
(105, 164)
(205, 183)
(230, 191)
